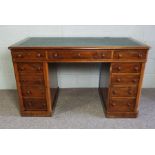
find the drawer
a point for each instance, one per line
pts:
(28, 55)
(33, 91)
(79, 54)
(126, 67)
(125, 79)
(123, 91)
(130, 54)
(31, 80)
(30, 67)
(122, 105)
(35, 104)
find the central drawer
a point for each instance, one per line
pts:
(79, 54)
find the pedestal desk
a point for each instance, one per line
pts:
(125, 61)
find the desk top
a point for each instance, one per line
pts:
(78, 42)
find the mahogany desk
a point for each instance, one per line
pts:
(125, 59)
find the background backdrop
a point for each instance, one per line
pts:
(80, 75)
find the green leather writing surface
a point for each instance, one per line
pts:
(74, 41)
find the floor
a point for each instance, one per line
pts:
(76, 109)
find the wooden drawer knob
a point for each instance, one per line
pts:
(38, 55)
(55, 54)
(19, 55)
(40, 80)
(120, 55)
(114, 92)
(28, 92)
(78, 54)
(140, 55)
(103, 55)
(129, 92)
(119, 68)
(113, 104)
(136, 68)
(22, 68)
(43, 104)
(118, 80)
(29, 104)
(39, 68)
(134, 80)
(128, 104)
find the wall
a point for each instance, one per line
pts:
(80, 75)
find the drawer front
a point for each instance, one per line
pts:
(33, 91)
(122, 105)
(28, 55)
(35, 104)
(30, 67)
(31, 80)
(126, 67)
(123, 91)
(79, 54)
(125, 79)
(129, 54)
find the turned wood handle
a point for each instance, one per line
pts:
(40, 80)
(28, 92)
(43, 104)
(114, 92)
(129, 91)
(118, 80)
(39, 68)
(55, 55)
(134, 80)
(140, 55)
(22, 68)
(128, 104)
(38, 55)
(78, 54)
(20, 55)
(103, 55)
(29, 103)
(113, 104)
(118, 68)
(136, 68)
(120, 55)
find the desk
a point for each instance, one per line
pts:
(125, 59)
